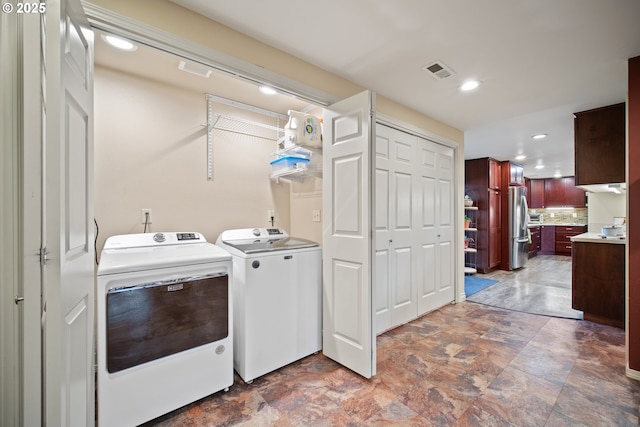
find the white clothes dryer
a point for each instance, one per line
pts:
(277, 297)
(164, 325)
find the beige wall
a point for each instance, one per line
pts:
(306, 197)
(150, 152)
(602, 207)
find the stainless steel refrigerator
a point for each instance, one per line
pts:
(518, 228)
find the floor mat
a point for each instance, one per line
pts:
(473, 284)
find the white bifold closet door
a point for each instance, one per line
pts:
(414, 212)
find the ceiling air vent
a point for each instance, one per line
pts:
(439, 70)
(193, 68)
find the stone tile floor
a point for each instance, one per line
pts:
(462, 365)
(542, 286)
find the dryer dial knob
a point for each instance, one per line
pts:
(256, 231)
(159, 237)
(255, 264)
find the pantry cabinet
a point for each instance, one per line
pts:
(482, 184)
(599, 143)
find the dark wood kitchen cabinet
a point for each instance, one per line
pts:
(537, 194)
(482, 184)
(494, 174)
(563, 237)
(512, 174)
(561, 192)
(597, 282)
(573, 196)
(599, 144)
(495, 229)
(548, 239)
(553, 192)
(534, 247)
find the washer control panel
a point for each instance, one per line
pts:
(187, 236)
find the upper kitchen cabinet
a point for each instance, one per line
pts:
(573, 196)
(562, 192)
(494, 174)
(536, 194)
(600, 145)
(513, 173)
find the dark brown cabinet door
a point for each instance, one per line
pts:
(534, 247)
(598, 280)
(537, 194)
(548, 239)
(553, 192)
(573, 196)
(516, 174)
(494, 174)
(559, 192)
(600, 145)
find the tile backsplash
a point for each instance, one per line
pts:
(562, 216)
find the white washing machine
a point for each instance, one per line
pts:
(164, 320)
(277, 299)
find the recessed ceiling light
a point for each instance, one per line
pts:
(119, 42)
(539, 136)
(539, 166)
(521, 157)
(557, 174)
(267, 90)
(469, 85)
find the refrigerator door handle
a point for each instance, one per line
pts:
(522, 240)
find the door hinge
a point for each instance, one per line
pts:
(43, 256)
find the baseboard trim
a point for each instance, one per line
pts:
(632, 373)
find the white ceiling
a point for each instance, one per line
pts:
(539, 61)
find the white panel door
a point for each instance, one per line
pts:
(396, 293)
(348, 335)
(68, 214)
(435, 228)
(383, 211)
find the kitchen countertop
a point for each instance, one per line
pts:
(597, 238)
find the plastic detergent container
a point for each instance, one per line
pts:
(303, 129)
